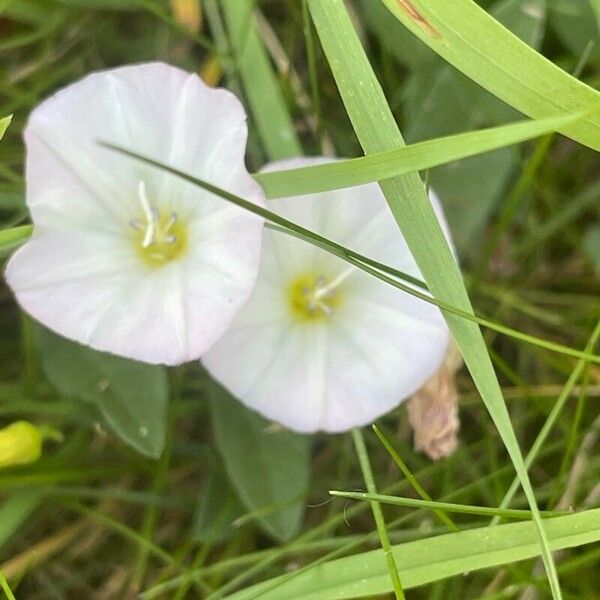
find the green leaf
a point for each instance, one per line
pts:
(405, 47)
(262, 89)
(15, 510)
(132, 397)
(476, 44)
(103, 4)
(377, 131)
(576, 24)
(415, 157)
(217, 510)
(445, 506)
(591, 244)
(268, 467)
(364, 263)
(4, 124)
(13, 238)
(440, 101)
(425, 561)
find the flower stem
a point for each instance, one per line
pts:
(365, 465)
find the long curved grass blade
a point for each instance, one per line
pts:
(415, 157)
(468, 38)
(421, 562)
(264, 95)
(377, 131)
(364, 263)
(448, 506)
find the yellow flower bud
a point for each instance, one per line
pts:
(187, 12)
(20, 444)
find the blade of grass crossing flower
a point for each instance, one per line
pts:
(377, 131)
(552, 417)
(444, 518)
(365, 466)
(359, 261)
(450, 507)
(399, 161)
(468, 38)
(262, 90)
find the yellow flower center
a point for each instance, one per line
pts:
(159, 238)
(313, 298)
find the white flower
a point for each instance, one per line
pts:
(319, 344)
(126, 258)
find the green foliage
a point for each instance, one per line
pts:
(4, 125)
(180, 526)
(376, 129)
(217, 510)
(428, 560)
(440, 100)
(469, 39)
(591, 244)
(268, 466)
(15, 510)
(132, 397)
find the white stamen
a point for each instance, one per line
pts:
(149, 235)
(148, 212)
(326, 291)
(151, 215)
(172, 220)
(314, 295)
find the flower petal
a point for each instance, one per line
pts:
(332, 373)
(82, 274)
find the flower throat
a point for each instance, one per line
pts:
(159, 237)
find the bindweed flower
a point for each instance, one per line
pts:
(321, 345)
(126, 258)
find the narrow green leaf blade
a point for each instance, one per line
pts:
(475, 43)
(12, 238)
(377, 131)
(262, 89)
(400, 161)
(4, 124)
(425, 561)
(15, 510)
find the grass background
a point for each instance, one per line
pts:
(94, 518)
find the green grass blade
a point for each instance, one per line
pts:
(262, 90)
(552, 417)
(5, 587)
(377, 131)
(365, 465)
(358, 260)
(444, 518)
(4, 124)
(14, 237)
(400, 161)
(448, 506)
(468, 38)
(425, 561)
